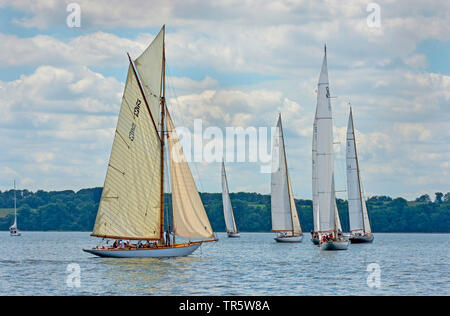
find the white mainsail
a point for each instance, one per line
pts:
(327, 216)
(130, 203)
(189, 215)
(359, 219)
(227, 208)
(14, 225)
(284, 212)
(314, 185)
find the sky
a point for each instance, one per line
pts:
(230, 63)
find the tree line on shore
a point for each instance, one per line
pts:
(75, 211)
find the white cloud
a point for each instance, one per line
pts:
(64, 113)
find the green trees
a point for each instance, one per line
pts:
(69, 210)
(439, 196)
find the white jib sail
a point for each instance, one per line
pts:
(359, 220)
(284, 212)
(294, 214)
(130, 203)
(326, 199)
(227, 208)
(189, 215)
(150, 68)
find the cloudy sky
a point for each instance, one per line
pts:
(230, 63)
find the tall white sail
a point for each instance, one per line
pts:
(14, 225)
(227, 208)
(130, 203)
(150, 68)
(314, 185)
(359, 220)
(189, 215)
(284, 212)
(326, 200)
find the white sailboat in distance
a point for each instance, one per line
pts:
(327, 229)
(285, 221)
(230, 223)
(13, 231)
(132, 202)
(360, 231)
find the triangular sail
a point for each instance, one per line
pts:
(326, 199)
(130, 203)
(150, 68)
(359, 220)
(189, 216)
(284, 212)
(294, 215)
(14, 225)
(227, 208)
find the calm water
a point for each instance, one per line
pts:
(411, 264)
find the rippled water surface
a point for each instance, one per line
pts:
(410, 264)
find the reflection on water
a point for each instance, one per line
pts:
(416, 264)
(148, 275)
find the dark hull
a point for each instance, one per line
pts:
(361, 239)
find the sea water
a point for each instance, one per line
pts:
(53, 263)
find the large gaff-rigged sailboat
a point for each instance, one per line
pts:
(360, 231)
(13, 231)
(285, 219)
(230, 223)
(132, 202)
(327, 227)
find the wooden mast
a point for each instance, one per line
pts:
(357, 171)
(163, 112)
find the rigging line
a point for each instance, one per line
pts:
(171, 88)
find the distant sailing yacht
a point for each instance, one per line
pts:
(327, 227)
(227, 208)
(284, 213)
(132, 202)
(359, 220)
(13, 231)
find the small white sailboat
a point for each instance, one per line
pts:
(327, 227)
(13, 231)
(132, 202)
(230, 223)
(285, 221)
(360, 231)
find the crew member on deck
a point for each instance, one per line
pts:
(168, 236)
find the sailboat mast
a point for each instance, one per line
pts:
(163, 112)
(357, 172)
